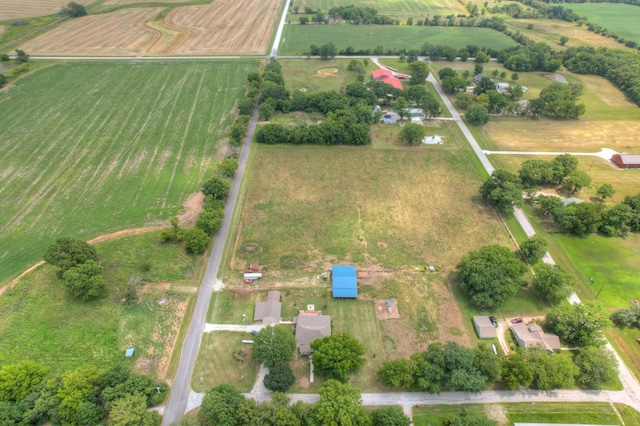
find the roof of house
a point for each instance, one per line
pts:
(273, 295)
(532, 334)
(310, 328)
(344, 281)
(478, 77)
(386, 76)
(485, 329)
(269, 312)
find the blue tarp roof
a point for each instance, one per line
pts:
(128, 353)
(344, 281)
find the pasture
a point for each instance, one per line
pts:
(39, 322)
(396, 8)
(115, 146)
(14, 9)
(219, 28)
(621, 19)
(296, 39)
(315, 75)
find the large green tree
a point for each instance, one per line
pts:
(598, 367)
(419, 72)
(390, 416)
(554, 371)
(552, 283)
(477, 115)
(515, 371)
(274, 346)
(490, 276)
(534, 249)
(398, 373)
(219, 405)
(131, 410)
(217, 188)
(279, 379)
(84, 281)
(502, 190)
(19, 380)
(412, 133)
(340, 405)
(579, 324)
(67, 252)
(77, 396)
(337, 355)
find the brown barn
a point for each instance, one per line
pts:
(627, 161)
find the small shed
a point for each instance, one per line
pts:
(502, 87)
(389, 120)
(484, 328)
(344, 282)
(129, 353)
(416, 112)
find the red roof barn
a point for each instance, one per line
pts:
(626, 161)
(386, 76)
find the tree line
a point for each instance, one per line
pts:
(31, 394)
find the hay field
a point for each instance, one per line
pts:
(550, 31)
(415, 8)
(120, 33)
(13, 9)
(306, 206)
(621, 19)
(221, 28)
(114, 146)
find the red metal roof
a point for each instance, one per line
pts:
(386, 76)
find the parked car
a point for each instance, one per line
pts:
(516, 320)
(493, 321)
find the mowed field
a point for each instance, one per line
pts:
(12, 9)
(296, 39)
(415, 8)
(114, 146)
(221, 28)
(621, 19)
(306, 206)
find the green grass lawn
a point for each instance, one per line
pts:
(415, 8)
(40, 323)
(215, 363)
(316, 75)
(547, 412)
(114, 146)
(296, 39)
(621, 19)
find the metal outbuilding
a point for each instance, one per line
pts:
(344, 282)
(484, 328)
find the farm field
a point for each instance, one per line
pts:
(621, 19)
(415, 8)
(547, 412)
(115, 146)
(13, 9)
(550, 31)
(126, 2)
(39, 322)
(296, 39)
(219, 28)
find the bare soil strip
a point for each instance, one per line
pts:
(13, 9)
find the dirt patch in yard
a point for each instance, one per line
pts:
(449, 316)
(193, 206)
(382, 311)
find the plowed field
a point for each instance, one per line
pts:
(12, 9)
(221, 28)
(119, 33)
(120, 2)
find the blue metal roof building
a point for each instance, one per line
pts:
(345, 285)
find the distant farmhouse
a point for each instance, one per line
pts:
(310, 325)
(626, 161)
(269, 312)
(386, 76)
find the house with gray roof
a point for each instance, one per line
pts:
(310, 325)
(528, 335)
(269, 312)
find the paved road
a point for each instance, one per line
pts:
(233, 327)
(604, 153)
(276, 40)
(181, 387)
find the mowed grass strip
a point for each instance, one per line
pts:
(416, 8)
(621, 19)
(92, 148)
(39, 322)
(363, 206)
(297, 38)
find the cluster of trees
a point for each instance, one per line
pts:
(588, 217)
(627, 317)
(450, 366)
(338, 355)
(274, 347)
(73, 9)
(426, 49)
(558, 101)
(30, 394)
(339, 404)
(361, 15)
(79, 265)
(326, 51)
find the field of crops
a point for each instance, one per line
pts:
(416, 8)
(12, 9)
(296, 39)
(621, 19)
(114, 146)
